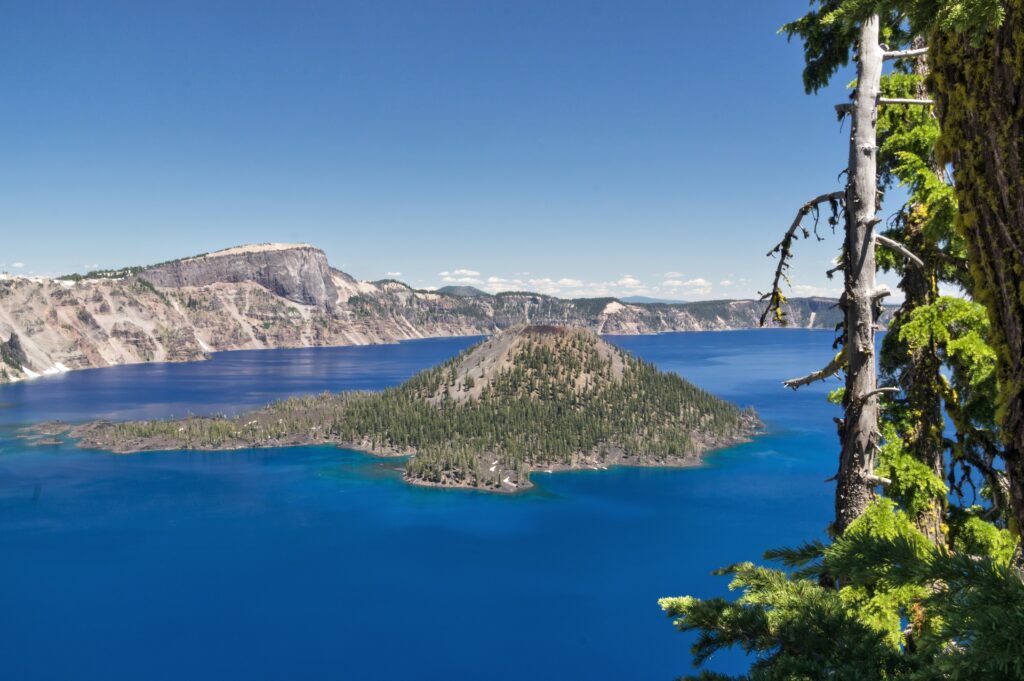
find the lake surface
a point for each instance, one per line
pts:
(316, 562)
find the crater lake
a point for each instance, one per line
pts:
(318, 562)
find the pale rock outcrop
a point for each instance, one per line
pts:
(283, 296)
(297, 272)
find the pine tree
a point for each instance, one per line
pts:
(923, 583)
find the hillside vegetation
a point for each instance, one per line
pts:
(537, 397)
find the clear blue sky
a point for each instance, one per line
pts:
(572, 147)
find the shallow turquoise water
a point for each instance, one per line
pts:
(316, 562)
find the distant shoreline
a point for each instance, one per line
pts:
(401, 341)
(288, 295)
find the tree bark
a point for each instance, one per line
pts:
(979, 88)
(860, 426)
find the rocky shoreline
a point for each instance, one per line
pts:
(87, 436)
(533, 398)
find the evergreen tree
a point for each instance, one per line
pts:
(558, 397)
(924, 583)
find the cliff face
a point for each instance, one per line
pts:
(299, 273)
(278, 296)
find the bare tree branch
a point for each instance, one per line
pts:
(881, 292)
(902, 100)
(879, 391)
(784, 248)
(831, 369)
(904, 54)
(899, 248)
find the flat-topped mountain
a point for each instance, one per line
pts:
(531, 398)
(287, 295)
(297, 272)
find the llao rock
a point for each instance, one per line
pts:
(286, 296)
(297, 272)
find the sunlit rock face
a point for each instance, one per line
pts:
(286, 296)
(297, 272)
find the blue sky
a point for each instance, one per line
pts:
(577, 148)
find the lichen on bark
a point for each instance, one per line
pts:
(979, 85)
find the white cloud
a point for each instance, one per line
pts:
(693, 287)
(673, 275)
(461, 276)
(725, 282)
(821, 291)
(568, 287)
(393, 274)
(17, 265)
(469, 281)
(572, 287)
(544, 285)
(498, 284)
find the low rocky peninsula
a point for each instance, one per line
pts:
(533, 398)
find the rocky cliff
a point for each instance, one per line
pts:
(298, 272)
(279, 296)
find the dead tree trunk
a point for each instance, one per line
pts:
(861, 300)
(860, 426)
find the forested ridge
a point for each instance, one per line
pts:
(532, 397)
(919, 575)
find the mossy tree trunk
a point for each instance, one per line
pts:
(979, 88)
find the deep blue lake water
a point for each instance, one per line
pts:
(316, 562)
